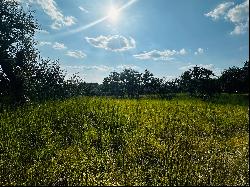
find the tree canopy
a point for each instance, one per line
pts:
(17, 48)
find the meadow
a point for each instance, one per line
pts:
(107, 141)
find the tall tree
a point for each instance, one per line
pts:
(17, 51)
(147, 82)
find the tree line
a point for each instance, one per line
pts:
(26, 76)
(197, 81)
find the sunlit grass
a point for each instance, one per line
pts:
(101, 141)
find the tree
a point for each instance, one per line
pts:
(128, 83)
(170, 87)
(24, 75)
(198, 82)
(112, 85)
(131, 82)
(235, 79)
(147, 82)
(17, 51)
(245, 77)
(46, 81)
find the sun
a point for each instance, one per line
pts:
(113, 14)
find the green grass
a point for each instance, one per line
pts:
(233, 99)
(101, 141)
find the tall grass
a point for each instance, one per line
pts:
(101, 141)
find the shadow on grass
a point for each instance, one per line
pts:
(232, 99)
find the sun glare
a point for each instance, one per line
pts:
(113, 14)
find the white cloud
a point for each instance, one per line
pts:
(127, 66)
(43, 43)
(55, 45)
(114, 43)
(102, 68)
(76, 54)
(220, 10)
(237, 15)
(95, 73)
(183, 52)
(83, 9)
(51, 9)
(96, 67)
(199, 51)
(59, 46)
(160, 55)
(69, 20)
(43, 31)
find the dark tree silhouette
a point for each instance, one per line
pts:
(47, 81)
(235, 79)
(245, 77)
(17, 29)
(147, 82)
(127, 83)
(131, 82)
(198, 82)
(112, 85)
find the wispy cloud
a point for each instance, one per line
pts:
(43, 43)
(95, 73)
(51, 9)
(199, 51)
(42, 31)
(83, 9)
(160, 55)
(59, 46)
(55, 45)
(76, 54)
(236, 14)
(114, 43)
(103, 68)
(127, 66)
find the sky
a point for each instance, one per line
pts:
(95, 37)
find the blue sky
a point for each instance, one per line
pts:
(167, 37)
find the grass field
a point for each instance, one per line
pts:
(105, 141)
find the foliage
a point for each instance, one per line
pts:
(131, 83)
(198, 82)
(112, 84)
(17, 29)
(101, 141)
(24, 75)
(235, 79)
(46, 81)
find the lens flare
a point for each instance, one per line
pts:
(113, 14)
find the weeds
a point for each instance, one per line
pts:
(101, 141)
